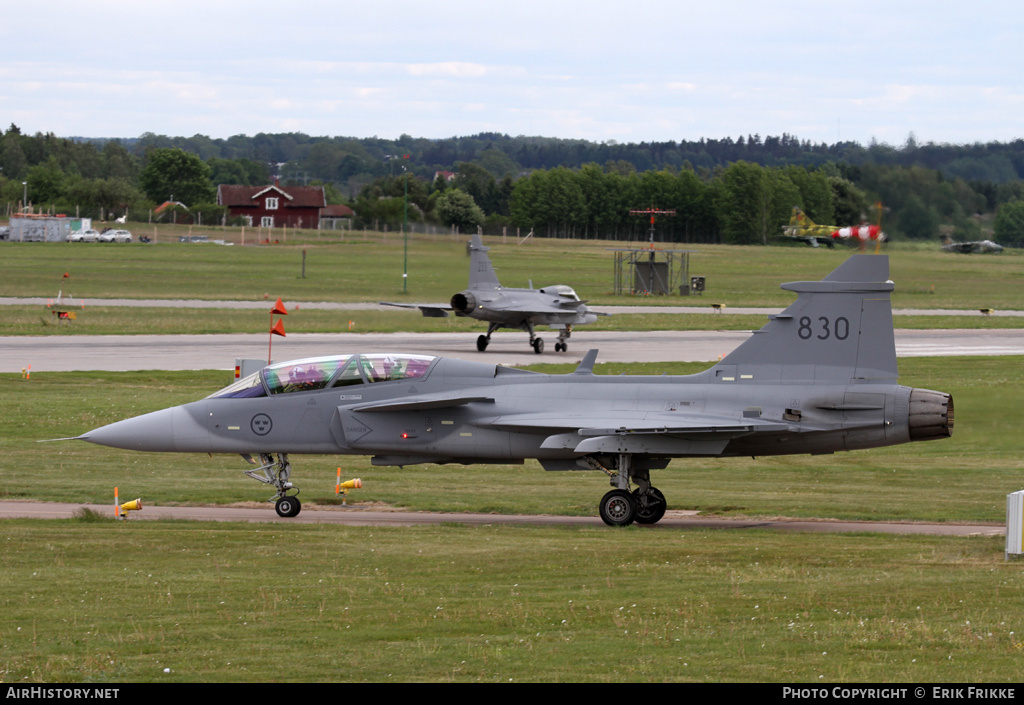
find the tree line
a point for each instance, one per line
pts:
(731, 191)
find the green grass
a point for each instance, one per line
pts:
(123, 320)
(91, 600)
(368, 267)
(98, 602)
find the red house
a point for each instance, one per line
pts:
(274, 206)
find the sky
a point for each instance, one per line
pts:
(647, 70)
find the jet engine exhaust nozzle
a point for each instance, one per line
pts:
(464, 302)
(931, 415)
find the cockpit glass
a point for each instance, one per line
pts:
(562, 290)
(302, 375)
(246, 387)
(389, 367)
(349, 375)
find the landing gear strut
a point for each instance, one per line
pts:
(620, 507)
(563, 335)
(536, 342)
(277, 473)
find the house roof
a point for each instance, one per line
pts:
(337, 212)
(294, 196)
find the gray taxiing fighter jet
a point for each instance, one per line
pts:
(820, 377)
(487, 300)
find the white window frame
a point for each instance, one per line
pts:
(267, 221)
(271, 203)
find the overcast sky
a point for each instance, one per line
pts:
(948, 72)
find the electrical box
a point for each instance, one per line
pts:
(247, 366)
(1014, 524)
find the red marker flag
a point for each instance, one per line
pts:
(278, 329)
(279, 308)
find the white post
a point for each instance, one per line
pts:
(1014, 524)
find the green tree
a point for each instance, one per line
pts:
(242, 172)
(1009, 224)
(173, 172)
(744, 203)
(46, 183)
(456, 207)
(917, 220)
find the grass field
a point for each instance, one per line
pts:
(122, 320)
(93, 600)
(97, 601)
(368, 267)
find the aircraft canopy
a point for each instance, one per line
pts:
(315, 373)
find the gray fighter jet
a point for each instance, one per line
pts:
(487, 300)
(818, 378)
(979, 247)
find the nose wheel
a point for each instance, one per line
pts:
(277, 473)
(288, 506)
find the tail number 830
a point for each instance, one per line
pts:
(824, 328)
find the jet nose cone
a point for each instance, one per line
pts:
(165, 431)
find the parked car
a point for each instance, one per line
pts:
(89, 235)
(115, 236)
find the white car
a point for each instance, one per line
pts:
(89, 235)
(115, 236)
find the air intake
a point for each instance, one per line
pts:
(931, 415)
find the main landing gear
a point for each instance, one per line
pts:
(536, 342)
(620, 507)
(277, 473)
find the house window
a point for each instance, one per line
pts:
(271, 203)
(267, 221)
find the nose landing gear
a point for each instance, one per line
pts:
(277, 473)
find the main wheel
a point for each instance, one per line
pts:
(481, 343)
(617, 508)
(538, 345)
(288, 506)
(650, 508)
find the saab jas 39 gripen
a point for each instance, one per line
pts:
(818, 378)
(485, 299)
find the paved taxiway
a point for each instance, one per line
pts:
(354, 516)
(57, 353)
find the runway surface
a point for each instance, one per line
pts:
(200, 352)
(357, 306)
(354, 516)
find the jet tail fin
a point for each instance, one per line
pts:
(481, 271)
(839, 329)
(799, 219)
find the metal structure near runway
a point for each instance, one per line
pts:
(28, 227)
(649, 271)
